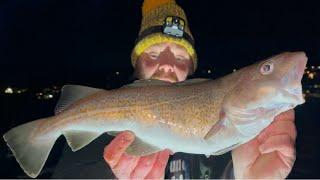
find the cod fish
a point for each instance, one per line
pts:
(200, 116)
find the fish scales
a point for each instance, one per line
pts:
(179, 109)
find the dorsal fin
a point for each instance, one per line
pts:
(71, 94)
(155, 82)
(192, 81)
(146, 82)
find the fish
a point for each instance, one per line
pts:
(199, 116)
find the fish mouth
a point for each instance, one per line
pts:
(296, 63)
(294, 96)
(292, 80)
(300, 65)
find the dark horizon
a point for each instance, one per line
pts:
(58, 42)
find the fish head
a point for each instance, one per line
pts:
(264, 90)
(271, 82)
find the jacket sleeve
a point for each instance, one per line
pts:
(87, 163)
(228, 172)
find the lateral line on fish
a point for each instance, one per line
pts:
(111, 110)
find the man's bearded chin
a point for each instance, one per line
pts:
(161, 75)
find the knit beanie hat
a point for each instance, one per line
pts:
(163, 21)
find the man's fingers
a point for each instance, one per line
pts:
(277, 128)
(287, 115)
(278, 156)
(283, 124)
(114, 151)
(144, 166)
(282, 143)
(125, 166)
(157, 171)
(268, 166)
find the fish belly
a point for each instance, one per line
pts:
(154, 134)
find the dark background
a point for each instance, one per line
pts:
(52, 43)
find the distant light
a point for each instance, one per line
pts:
(209, 71)
(312, 67)
(307, 91)
(50, 96)
(311, 75)
(117, 73)
(318, 67)
(9, 90)
(234, 70)
(316, 86)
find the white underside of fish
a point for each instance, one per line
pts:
(158, 135)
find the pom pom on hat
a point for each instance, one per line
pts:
(149, 5)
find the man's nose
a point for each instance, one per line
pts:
(166, 60)
(166, 68)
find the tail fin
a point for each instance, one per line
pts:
(31, 151)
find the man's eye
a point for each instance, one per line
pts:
(154, 56)
(181, 58)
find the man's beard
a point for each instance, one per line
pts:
(161, 75)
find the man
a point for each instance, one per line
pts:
(164, 56)
(165, 51)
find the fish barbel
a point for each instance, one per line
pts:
(199, 116)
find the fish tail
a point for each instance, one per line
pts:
(30, 147)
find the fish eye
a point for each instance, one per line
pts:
(266, 68)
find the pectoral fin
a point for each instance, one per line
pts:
(216, 127)
(141, 148)
(79, 139)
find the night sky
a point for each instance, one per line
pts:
(85, 42)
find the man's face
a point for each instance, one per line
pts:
(164, 61)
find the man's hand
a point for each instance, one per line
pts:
(134, 167)
(269, 155)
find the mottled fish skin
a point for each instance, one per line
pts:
(205, 117)
(188, 110)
